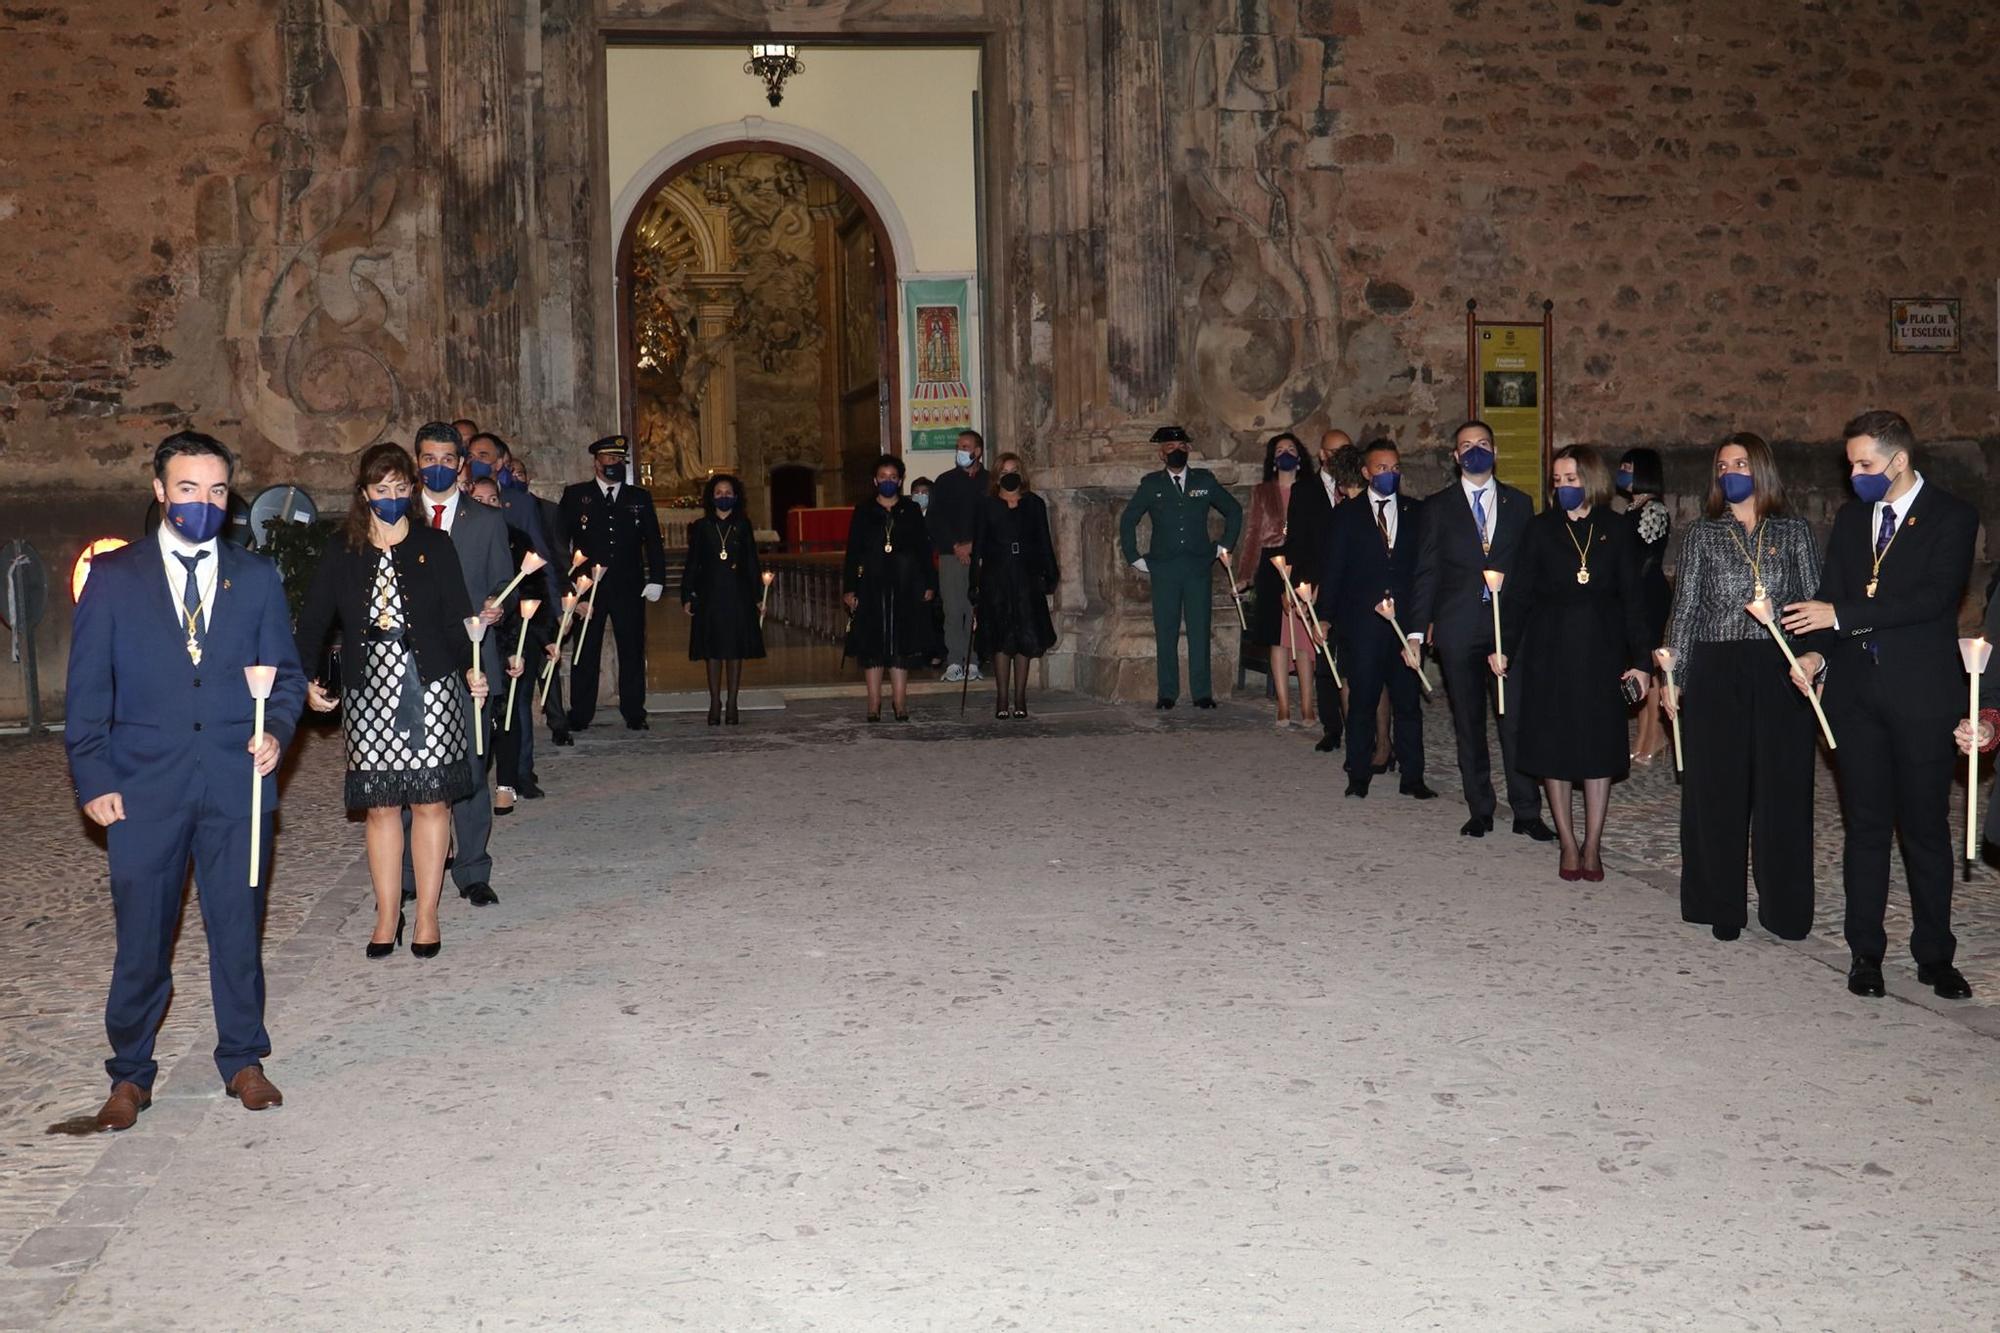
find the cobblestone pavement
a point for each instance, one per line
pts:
(1106, 1019)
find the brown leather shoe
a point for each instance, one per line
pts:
(256, 1092)
(121, 1109)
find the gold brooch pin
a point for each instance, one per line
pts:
(420, 560)
(225, 585)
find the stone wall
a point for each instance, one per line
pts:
(307, 224)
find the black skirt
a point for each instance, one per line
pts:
(1013, 610)
(725, 624)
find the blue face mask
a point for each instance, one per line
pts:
(1569, 497)
(438, 477)
(1871, 486)
(478, 468)
(964, 457)
(1476, 461)
(724, 503)
(1386, 484)
(613, 473)
(391, 512)
(1625, 481)
(1288, 462)
(1738, 487)
(888, 486)
(509, 481)
(923, 499)
(196, 521)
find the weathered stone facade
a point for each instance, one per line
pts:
(307, 224)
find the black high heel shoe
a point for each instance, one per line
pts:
(425, 950)
(384, 950)
(715, 715)
(732, 717)
(902, 717)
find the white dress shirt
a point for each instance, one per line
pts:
(1388, 515)
(171, 549)
(610, 489)
(449, 501)
(1327, 483)
(1901, 504)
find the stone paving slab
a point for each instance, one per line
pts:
(736, 1051)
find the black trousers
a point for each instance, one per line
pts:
(1468, 682)
(623, 613)
(1332, 724)
(1374, 663)
(553, 711)
(1747, 799)
(1895, 776)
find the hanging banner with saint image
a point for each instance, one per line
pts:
(937, 348)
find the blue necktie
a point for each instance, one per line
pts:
(1479, 517)
(191, 604)
(1888, 532)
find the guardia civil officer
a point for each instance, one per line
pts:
(1180, 555)
(614, 524)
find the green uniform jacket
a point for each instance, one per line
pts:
(1180, 520)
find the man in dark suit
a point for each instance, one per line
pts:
(1368, 553)
(479, 535)
(1886, 614)
(487, 455)
(553, 711)
(1473, 525)
(615, 525)
(158, 729)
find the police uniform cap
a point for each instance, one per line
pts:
(610, 444)
(1170, 435)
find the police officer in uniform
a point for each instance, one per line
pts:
(1179, 559)
(613, 523)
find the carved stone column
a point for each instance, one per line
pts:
(1139, 255)
(479, 222)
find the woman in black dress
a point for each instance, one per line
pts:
(1643, 482)
(1014, 569)
(721, 585)
(1575, 618)
(393, 585)
(889, 583)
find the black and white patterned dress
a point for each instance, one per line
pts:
(407, 742)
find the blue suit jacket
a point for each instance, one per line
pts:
(144, 721)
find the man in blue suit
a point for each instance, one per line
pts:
(158, 730)
(1368, 552)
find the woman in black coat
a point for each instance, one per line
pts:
(1014, 573)
(394, 587)
(890, 584)
(721, 586)
(1574, 617)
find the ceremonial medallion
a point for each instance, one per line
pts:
(1583, 576)
(1872, 585)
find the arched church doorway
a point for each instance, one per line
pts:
(757, 335)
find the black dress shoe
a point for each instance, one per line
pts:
(1946, 980)
(637, 724)
(575, 725)
(1865, 977)
(1327, 745)
(1475, 827)
(1726, 932)
(1162, 704)
(527, 790)
(1417, 791)
(561, 738)
(1357, 787)
(1204, 702)
(479, 895)
(1534, 828)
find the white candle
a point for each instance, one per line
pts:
(1234, 596)
(260, 679)
(562, 627)
(1760, 609)
(589, 611)
(1975, 653)
(1494, 578)
(1665, 657)
(529, 605)
(529, 564)
(1386, 608)
(475, 629)
(764, 597)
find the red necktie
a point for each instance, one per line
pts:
(437, 516)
